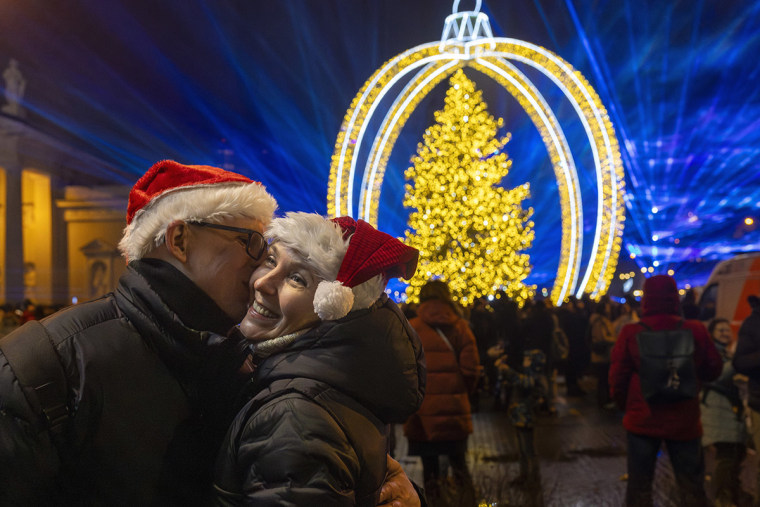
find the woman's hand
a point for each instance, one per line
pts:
(397, 490)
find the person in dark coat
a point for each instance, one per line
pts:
(677, 423)
(574, 322)
(602, 340)
(443, 423)
(529, 387)
(538, 332)
(483, 327)
(146, 385)
(747, 361)
(689, 307)
(151, 382)
(507, 325)
(335, 362)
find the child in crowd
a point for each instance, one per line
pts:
(528, 389)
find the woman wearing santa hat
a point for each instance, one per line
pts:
(335, 363)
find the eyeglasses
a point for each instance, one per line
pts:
(256, 245)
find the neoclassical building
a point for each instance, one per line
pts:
(63, 212)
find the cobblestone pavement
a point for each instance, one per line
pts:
(582, 457)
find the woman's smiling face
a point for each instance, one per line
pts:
(722, 333)
(282, 296)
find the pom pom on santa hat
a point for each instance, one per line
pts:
(370, 253)
(173, 191)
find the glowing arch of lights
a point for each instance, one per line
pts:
(467, 41)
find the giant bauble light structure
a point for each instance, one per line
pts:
(467, 41)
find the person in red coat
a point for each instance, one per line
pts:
(675, 423)
(444, 421)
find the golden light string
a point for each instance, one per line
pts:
(604, 145)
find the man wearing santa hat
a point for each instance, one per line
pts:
(124, 400)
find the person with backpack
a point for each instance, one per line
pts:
(657, 365)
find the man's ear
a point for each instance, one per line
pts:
(177, 239)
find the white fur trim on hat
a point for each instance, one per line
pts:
(200, 202)
(316, 240)
(332, 300)
(365, 294)
(319, 243)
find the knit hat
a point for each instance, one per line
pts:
(354, 259)
(660, 296)
(172, 191)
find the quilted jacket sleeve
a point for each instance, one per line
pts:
(28, 460)
(291, 452)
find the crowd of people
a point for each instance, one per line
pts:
(252, 359)
(590, 327)
(520, 363)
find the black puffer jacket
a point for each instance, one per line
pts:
(747, 356)
(315, 432)
(146, 393)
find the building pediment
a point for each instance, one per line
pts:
(99, 247)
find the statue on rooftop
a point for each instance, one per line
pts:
(15, 85)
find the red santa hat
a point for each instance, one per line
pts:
(354, 259)
(172, 191)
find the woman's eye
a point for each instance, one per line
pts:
(298, 279)
(269, 261)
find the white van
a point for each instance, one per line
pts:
(726, 291)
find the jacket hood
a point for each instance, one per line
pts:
(373, 355)
(660, 296)
(436, 313)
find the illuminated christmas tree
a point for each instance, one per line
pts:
(470, 232)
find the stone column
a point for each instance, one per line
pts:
(14, 242)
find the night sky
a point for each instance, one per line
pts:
(264, 85)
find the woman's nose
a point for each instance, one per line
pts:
(262, 282)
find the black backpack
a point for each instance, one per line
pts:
(31, 355)
(667, 372)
